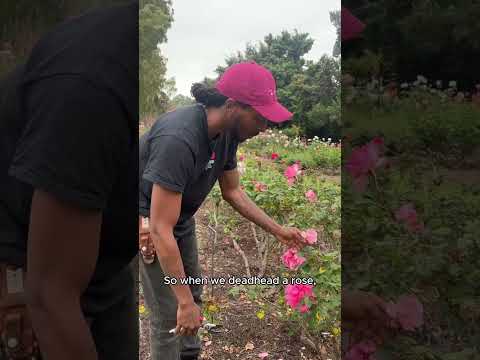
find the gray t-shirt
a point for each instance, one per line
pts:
(177, 154)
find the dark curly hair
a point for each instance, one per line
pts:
(207, 96)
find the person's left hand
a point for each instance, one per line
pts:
(291, 237)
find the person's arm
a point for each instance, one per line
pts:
(58, 272)
(232, 193)
(164, 213)
(361, 306)
(70, 153)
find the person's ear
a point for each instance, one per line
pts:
(230, 104)
(230, 108)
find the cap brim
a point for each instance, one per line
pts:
(274, 112)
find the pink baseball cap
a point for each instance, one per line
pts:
(252, 84)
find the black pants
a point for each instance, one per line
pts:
(112, 310)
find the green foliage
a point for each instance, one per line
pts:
(293, 131)
(422, 115)
(288, 203)
(335, 19)
(429, 262)
(422, 128)
(180, 100)
(324, 157)
(325, 269)
(449, 129)
(324, 120)
(155, 19)
(289, 206)
(430, 37)
(312, 153)
(365, 66)
(303, 86)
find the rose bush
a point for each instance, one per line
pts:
(295, 193)
(412, 234)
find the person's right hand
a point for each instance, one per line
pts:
(145, 242)
(188, 319)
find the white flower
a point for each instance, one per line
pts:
(452, 84)
(439, 83)
(241, 167)
(404, 85)
(329, 139)
(421, 79)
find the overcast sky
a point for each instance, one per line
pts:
(205, 32)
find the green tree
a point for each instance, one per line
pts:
(302, 85)
(208, 82)
(434, 38)
(155, 18)
(179, 101)
(335, 19)
(316, 97)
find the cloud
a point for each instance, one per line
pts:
(205, 32)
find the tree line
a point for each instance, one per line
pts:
(434, 38)
(310, 89)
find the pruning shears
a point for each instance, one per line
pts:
(205, 326)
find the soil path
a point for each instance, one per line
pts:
(242, 336)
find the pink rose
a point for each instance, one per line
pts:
(363, 161)
(407, 215)
(310, 236)
(363, 350)
(260, 187)
(294, 294)
(311, 196)
(292, 172)
(304, 308)
(378, 141)
(292, 260)
(241, 158)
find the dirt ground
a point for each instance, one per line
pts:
(242, 336)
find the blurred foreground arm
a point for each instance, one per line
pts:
(62, 252)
